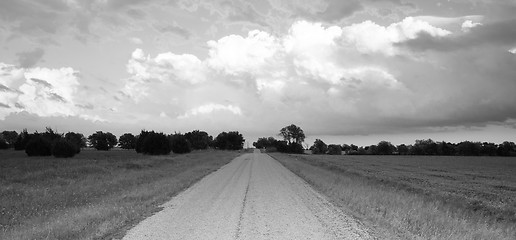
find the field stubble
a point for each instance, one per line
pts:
(418, 197)
(95, 195)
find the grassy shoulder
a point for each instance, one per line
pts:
(418, 197)
(95, 195)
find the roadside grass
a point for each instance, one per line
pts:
(418, 197)
(96, 194)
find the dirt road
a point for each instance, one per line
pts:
(253, 197)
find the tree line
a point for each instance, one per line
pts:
(293, 137)
(147, 142)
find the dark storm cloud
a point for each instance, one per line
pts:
(30, 58)
(497, 33)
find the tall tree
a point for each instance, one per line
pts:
(292, 133)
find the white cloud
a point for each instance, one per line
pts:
(468, 25)
(369, 37)
(211, 107)
(513, 50)
(42, 91)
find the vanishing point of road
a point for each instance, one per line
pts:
(252, 197)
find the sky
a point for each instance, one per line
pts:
(344, 71)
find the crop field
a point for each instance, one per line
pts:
(418, 197)
(96, 194)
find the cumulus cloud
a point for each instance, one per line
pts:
(468, 25)
(369, 37)
(41, 91)
(320, 76)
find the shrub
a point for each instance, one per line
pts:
(296, 148)
(198, 139)
(63, 149)
(139, 141)
(22, 140)
(179, 143)
(319, 147)
(77, 139)
(102, 141)
(334, 149)
(38, 146)
(127, 141)
(229, 141)
(156, 144)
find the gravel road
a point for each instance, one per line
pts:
(253, 197)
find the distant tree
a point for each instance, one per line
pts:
(3, 144)
(402, 149)
(127, 141)
(22, 140)
(292, 133)
(385, 148)
(334, 149)
(77, 139)
(424, 147)
(506, 149)
(102, 141)
(139, 141)
(198, 139)
(156, 144)
(319, 147)
(371, 150)
(9, 137)
(468, 148)
(346, 148)
(229, 141)
(488, 149)
(180, 143)
(446, 148)
(353, 147)
(265, 142)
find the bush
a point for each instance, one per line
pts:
(102, 141)
(22, 140)
(64, 149)
(156, 144)
(139, 141)
(77, 139)
(127, 141)
(198, 139)
(296, 148)
(334, 149)
(319, 147)
(38, 146)
(180, 144)
(229, 141)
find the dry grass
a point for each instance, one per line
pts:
(95, 195)
(418, 197)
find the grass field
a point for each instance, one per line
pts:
(96, 194)
(418, 197)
